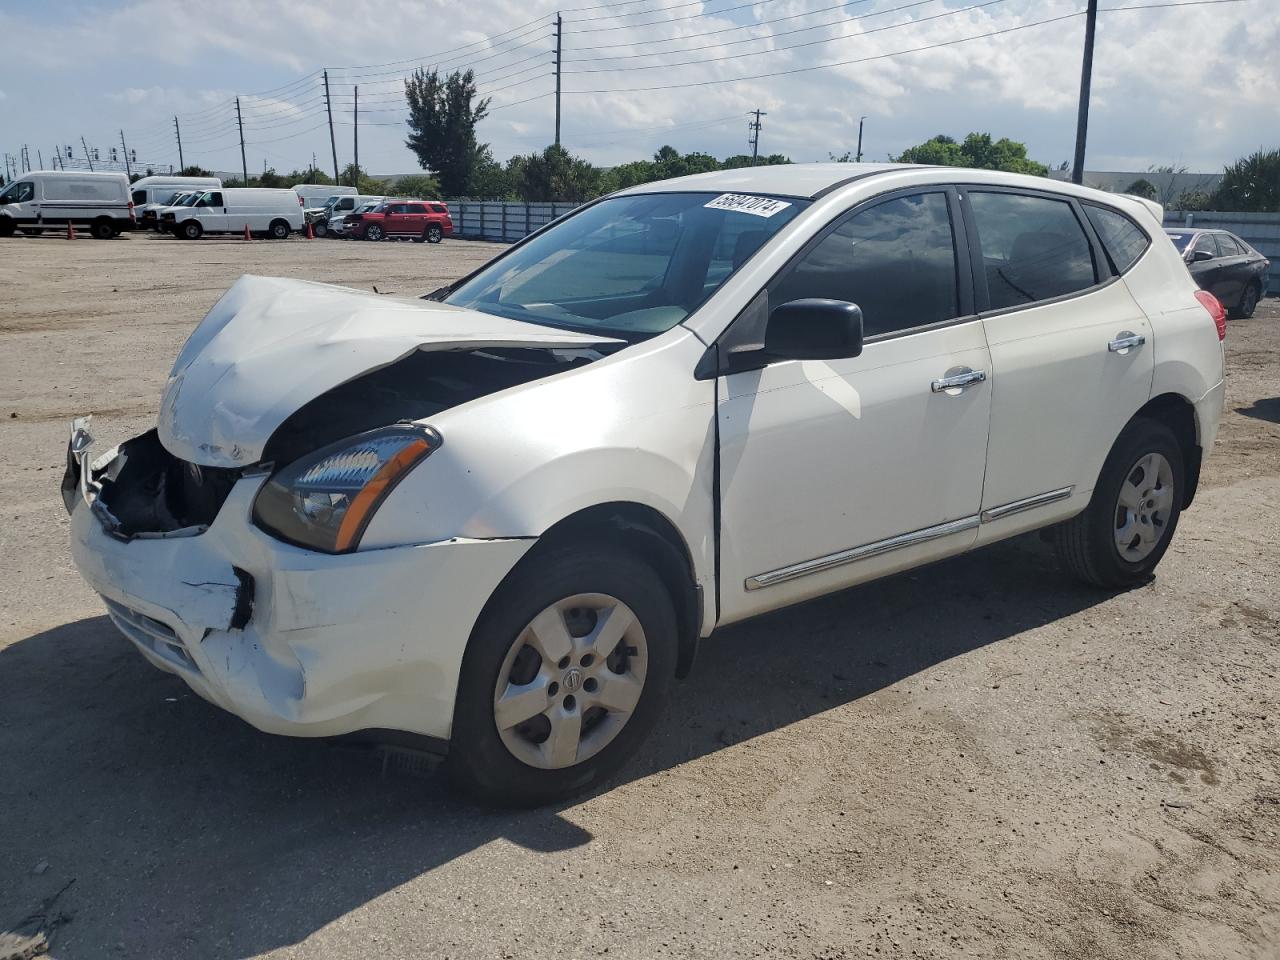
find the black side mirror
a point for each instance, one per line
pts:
(814, 329)
(1199, 256)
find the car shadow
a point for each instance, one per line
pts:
(1267, 408)
(182, 831)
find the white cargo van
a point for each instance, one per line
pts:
(152, 193)
(54, 198)
(262, 210)
(317, 194)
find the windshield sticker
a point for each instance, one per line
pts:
(744, 203)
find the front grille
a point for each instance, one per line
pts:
(150, 633)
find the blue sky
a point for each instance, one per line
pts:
(1195, 86)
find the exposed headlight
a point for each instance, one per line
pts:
(325, 500)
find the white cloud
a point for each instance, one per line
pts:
(1153, 101)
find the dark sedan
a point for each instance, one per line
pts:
(1224, 265)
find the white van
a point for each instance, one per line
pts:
(54, 198)
(262, 210)
(152, 193)
(315, 195)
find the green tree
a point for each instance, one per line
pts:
(554, 174)
(309, 175)
(1142, 187)
(978, 150)
(194, 171)
(272, 179)
(739, 160)
(1252, 183)
(363, 183)
(492, 180)
(442, 127)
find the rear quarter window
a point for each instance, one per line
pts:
(1123, 239)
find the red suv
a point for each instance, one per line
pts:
(418, 219)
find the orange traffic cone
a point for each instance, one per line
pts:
(310, 233)
(71, 230)
(246, 232)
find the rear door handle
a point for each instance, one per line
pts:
(1125, 341)
(958, 380)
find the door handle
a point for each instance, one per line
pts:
(1126, 340)
(958, 380)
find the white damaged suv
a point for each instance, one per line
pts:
(501, 517)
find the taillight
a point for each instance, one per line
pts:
(1216, 310)
(132, 215)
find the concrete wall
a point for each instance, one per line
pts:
(1260, 230)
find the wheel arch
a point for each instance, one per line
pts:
(1179, 415)
(654, 538)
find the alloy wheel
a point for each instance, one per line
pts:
(1144, 507)
(571, 681)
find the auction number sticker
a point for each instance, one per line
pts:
(745, 203)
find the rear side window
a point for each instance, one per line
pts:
(896, 260)
(438, 208)
(417, 208)
(1121, 237)
(1033, 248)
(1228, 245)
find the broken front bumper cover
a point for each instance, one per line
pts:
(291, 640)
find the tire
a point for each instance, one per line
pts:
(513, 767)
(1138, 499)
(319, 231)
(102, 229)
(31, 231)
(189, 230)
(6, 226)
(373, 232)
(279, 230)
(434, 233)
(1248, 301)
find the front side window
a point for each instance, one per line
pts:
(896, 260)
(210, 199)
(630, 266)
(1123, 240)
(1033, 248)
(139, 197)
(1205, 244)
(19, 192)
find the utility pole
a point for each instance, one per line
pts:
(333, 144)
(355, 132)
(1086, 81)
(177, 130)
(858, 158)
(128, 167)
(754, 127)
(244, 164)
(86, 153)
(559, 38)
(40, 157)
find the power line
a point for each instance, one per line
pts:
(792, 46)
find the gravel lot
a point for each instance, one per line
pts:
(979, 759)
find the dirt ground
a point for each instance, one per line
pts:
(978, 759)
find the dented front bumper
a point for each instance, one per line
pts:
(295, 641)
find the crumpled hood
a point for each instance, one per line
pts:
(271, 345)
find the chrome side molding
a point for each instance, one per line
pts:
(818, 564)
(1027, 503)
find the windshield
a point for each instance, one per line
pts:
(631, 266)
(187, 199)
(1180, 240)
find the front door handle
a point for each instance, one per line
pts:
(958, 381)
(1125, 341)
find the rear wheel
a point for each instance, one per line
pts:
(434, 233)
(373, 232)
(102, 229)
(191, 230)
(6, 227)
(564, 675)
(31, 231)
(1248, 302)
(279, 230)
(1124, 532)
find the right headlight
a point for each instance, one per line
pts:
(325, 500)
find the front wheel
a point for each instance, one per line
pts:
(564, 675)
(373, 232)
(1124, 532)
(191, 230)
